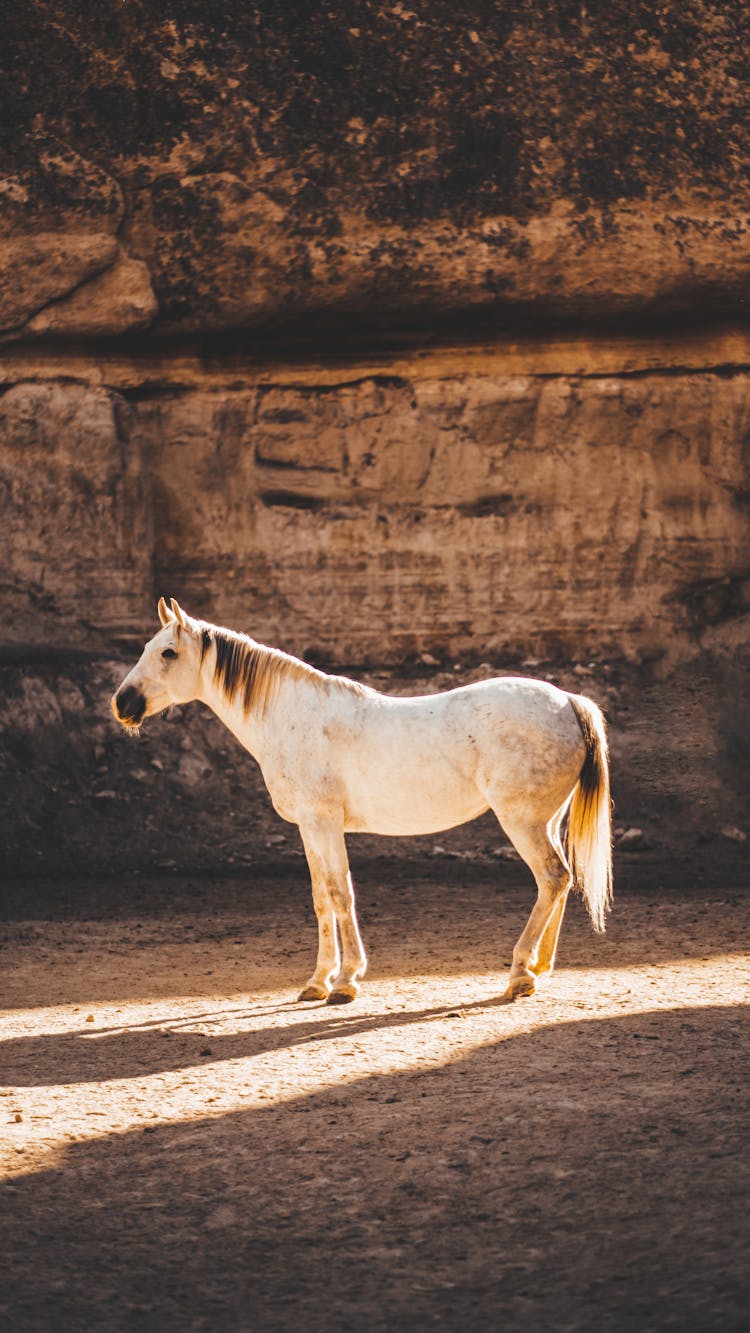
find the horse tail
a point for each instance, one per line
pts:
(589, 831)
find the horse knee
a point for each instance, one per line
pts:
(342, 901)
(322, 904)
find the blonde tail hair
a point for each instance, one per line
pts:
(589, 834)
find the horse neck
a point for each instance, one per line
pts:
(231, 712)
(250, 725)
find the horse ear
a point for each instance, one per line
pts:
(178, 613)
(164, 615)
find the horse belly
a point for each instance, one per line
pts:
(410, 799)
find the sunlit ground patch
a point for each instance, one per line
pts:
(85, 1072)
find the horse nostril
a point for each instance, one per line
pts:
(130, 704)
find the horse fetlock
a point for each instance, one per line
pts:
(314, 990)
(519, 986)
(343, 992)
(542, 966)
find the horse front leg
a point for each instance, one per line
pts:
(325, 850)
(327, 965)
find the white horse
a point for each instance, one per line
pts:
(338, 757)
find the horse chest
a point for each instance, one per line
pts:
(299, 788)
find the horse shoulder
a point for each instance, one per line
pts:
(304, 753)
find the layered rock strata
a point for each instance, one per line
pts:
(374, 520)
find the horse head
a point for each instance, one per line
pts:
(167, 671)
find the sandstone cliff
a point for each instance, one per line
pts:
(383, 518)
(402, 336)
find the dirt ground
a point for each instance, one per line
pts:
(183, 1147)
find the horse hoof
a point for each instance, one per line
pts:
(343, 994)
(519, 987)
(312, 993)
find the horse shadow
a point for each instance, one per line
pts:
(164, 1046)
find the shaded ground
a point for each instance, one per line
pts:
(182, 1147)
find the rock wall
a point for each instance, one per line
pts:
(246, 165)
(416, 531)
(373, 521)
(405, 338)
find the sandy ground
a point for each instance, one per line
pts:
(183, 1147)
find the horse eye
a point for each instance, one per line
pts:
(169, 652)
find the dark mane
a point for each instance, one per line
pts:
(253, 672)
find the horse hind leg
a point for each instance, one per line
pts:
(547, 950)
(534, 951)
(548, 944)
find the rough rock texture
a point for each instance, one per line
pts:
(452, 527)
(76, 536)
(36, 270)
(273, 166)
(119, 300)
(381, 519)
(400, 336)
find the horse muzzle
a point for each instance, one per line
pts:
(129, 706)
